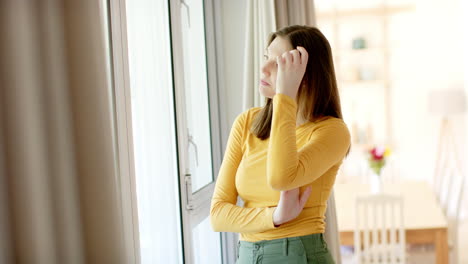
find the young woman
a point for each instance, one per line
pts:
(282, 158)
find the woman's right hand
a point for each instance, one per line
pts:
(290, 205)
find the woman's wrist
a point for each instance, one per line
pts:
(276, 222)
(288, 93)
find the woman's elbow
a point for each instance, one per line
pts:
(214, 225)
(214, 220)
(277, 183)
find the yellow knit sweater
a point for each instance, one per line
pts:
(256, 170)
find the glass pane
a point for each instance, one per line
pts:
(206, 244)
(154, 135)
(196, 93)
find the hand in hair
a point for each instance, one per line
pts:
(291, 68)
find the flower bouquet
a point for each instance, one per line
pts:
(377, 159)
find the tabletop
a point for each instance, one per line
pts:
(421, 208)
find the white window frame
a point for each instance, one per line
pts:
(194, 207)
(116, 38)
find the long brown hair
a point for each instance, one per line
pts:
(318, 95)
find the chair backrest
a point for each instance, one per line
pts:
(379, 235)
(448, 186)
(451, 203)
(443, 153)
(449, 182)
(452, 187)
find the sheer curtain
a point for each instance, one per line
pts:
(264, 17)
(154, 136)
(261, 21)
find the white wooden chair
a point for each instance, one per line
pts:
(451, 205)
(379, 235)
(448, 183)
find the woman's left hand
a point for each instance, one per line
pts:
(291, 68)
(290, 205)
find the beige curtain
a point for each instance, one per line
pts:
(59, 198)
(295, 12)
(264, 17)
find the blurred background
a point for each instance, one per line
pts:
(114, 116)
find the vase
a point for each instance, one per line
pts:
(375, 183)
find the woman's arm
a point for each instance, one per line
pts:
(288, 167)
(225, 215)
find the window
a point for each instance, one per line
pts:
(167, 114)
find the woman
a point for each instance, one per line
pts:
(282, 159)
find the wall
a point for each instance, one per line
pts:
(428, 56)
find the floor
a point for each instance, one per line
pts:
(424, 255)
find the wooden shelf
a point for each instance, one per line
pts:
(357, 52)
(372, 24)
(377, 82)
(358, 12)
(362, 147)
(362, 82)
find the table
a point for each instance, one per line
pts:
(424, 220)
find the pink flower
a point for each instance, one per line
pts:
(377, 158)
(377, 153)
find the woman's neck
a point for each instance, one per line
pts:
(300, 121)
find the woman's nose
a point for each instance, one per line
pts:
(266, 69)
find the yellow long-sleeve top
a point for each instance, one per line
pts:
(257, 170)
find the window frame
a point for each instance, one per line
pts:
(114, 16)
(195, 207)
(200, 201)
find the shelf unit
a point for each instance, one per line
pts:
(363, 71)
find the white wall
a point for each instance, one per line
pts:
(427, 56)
(430, 58)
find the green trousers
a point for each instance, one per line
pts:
(293, 250)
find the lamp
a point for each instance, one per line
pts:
(445, 104)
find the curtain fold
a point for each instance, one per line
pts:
(332, 234)
(264, 17)
(6, 250)
(59, 198)
(260, 22)
(299, 12)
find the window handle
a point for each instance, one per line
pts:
(190, 140)
(187, 8)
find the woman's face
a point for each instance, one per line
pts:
(267, 84)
